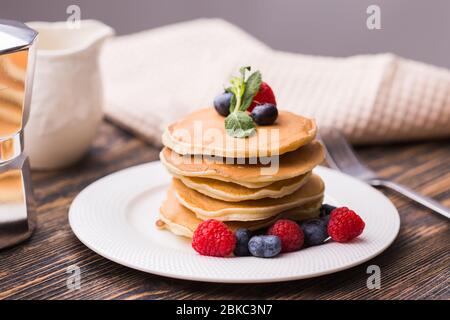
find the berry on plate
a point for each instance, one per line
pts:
(290, 234)
(222, 103)
(264, 95)
(264, 114)
(344, 225)
(325, 211)
(315, 231)
(213, 238)
(264, 246)
(242, 238)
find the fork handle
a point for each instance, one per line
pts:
(425, 201)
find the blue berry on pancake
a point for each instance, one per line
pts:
(264, 114)
(222, 103)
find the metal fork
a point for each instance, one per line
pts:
(341, 156)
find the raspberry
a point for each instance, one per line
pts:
(213, 238)
(344, 225)
(290, 234)
(264, 95)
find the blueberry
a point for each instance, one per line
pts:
(242, 238)
(222, 103)
(315, 231)
(325, 211)
(264, 114)
(264, 246)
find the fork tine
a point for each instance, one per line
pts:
(337, 147)
(340, 154)
(329, 159)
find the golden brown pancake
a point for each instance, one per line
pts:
(183, 222)
(205, 207)
(291, 165)
(228, 191)
(203, 132)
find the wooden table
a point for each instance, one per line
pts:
(416, 266)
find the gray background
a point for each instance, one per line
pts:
(416, 29)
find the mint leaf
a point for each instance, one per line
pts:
(242, 70)
(232, 100)
(232, 103)
(237, 88)
(251, 89)
(239, 124)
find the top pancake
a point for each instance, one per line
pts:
(203, 132)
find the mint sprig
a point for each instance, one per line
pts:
(238, 123)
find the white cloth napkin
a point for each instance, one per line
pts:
(155, 77)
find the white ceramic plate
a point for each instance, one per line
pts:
(115, 217)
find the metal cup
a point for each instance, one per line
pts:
(17, 53)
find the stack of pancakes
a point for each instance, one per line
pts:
(246, 183)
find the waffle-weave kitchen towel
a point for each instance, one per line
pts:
(155, 77)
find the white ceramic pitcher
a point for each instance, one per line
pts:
(67, 94)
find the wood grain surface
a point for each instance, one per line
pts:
(416, 266)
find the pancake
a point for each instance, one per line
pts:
(232, 192)
(183, 222)
(291, 165)
(205, 207)
(203, 132)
